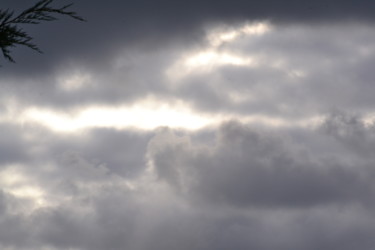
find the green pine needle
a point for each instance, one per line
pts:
(11, 35)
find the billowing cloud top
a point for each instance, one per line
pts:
(191, 125)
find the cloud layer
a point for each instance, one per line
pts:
(186, 125)
(235, 188)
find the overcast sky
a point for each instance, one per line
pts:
(191, 125)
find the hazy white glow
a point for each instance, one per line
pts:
(222, 35)
(74, 81)
(217, 53)
(238, 97)
(213, 58)
(32, 192)
(16, 183)
(369, 119)
(10, 176)
(207, 59)
(148, 114)
(147, 118)
(143, 115)
(307, 122)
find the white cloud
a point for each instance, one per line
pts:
(218, 36)
(139, 116)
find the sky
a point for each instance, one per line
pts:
(191, 125)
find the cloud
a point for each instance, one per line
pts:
(12, 147)
(249, 168)
(291, 73)
(298, 70)
(201, 190)
(151, 25)
(267, 139)
(207, 189)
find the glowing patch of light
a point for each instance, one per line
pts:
(205, 61)
(238, 97)
(221, 35)
(16, 183)
(74, 81)
(146, 115)
(144, 119)
(31, 192)
(369, 119)
(213, 58)
(306, 122)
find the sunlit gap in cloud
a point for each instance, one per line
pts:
(150, 113)
(144, 117)
(146, 114)
(220, 35)
(218, 51)
(214, 55)
(212, 58)
(206, 61)
(369, 119)
(14, 182)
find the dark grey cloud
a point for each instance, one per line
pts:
(256, 168)
(113, 25)
(312, 206)
(303, 70)
(215, 189)
(15, 231)
(12, 145)
(121, 152)
(114, 85)
(351, 133)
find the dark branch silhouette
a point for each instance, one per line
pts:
(11, 35)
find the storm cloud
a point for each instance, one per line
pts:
(191, 125)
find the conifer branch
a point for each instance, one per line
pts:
(11, 35)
